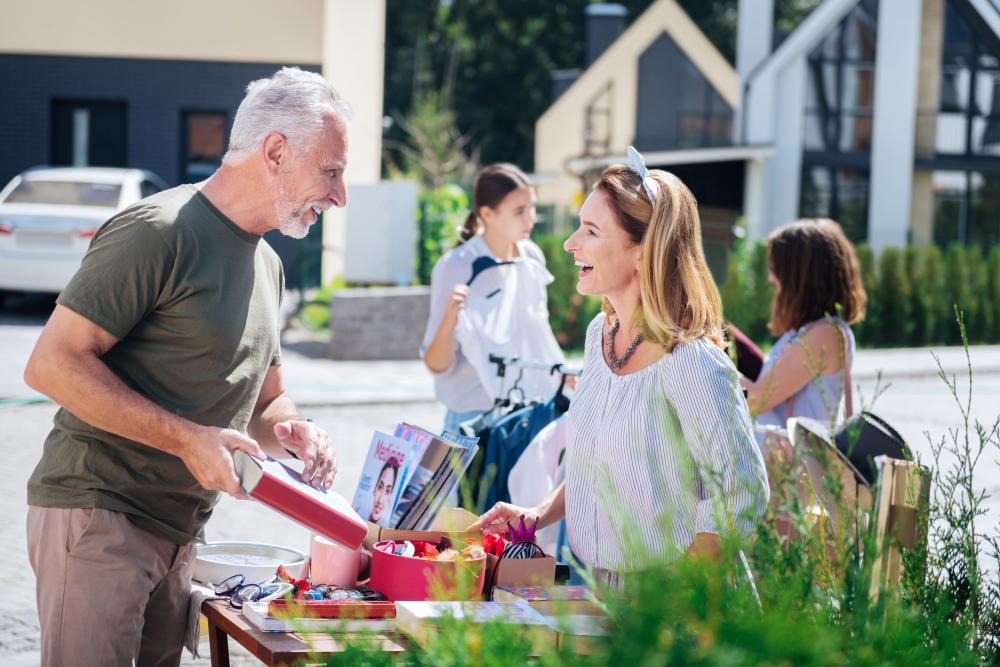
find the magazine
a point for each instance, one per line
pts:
(447, 471)
(432, 453)
(408, 475)
(389, 462)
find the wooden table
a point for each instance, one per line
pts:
(280, 648)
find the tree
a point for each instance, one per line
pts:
(495, 59)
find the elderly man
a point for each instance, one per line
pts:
(164, 353)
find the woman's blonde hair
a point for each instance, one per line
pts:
(679, 299)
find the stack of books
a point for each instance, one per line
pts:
(321, 616)
(552, 600)
(420, 620)
(408, 475)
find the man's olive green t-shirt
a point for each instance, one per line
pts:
(194, 303)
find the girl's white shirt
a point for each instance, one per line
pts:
(506, 313)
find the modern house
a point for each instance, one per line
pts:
(895, 132)
(661, 85)
(134, 84)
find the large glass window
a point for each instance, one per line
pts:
(677, 106)
(837, 193)
(966, 207)
(967, 120)
(841, 85)
(203, 143)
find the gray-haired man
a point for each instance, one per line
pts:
(164, 353)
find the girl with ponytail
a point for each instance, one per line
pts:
(658, 414)
(498, 226)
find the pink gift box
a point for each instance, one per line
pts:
(406, 578)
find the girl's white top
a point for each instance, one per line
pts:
(506, 314)
(658, 455)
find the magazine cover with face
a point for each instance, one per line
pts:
(387, 467)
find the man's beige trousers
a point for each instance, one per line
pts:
(109, 593)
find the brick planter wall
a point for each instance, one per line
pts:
(378, 323)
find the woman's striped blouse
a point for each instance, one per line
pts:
(658, 455)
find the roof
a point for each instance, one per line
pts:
(824, 18)
(662, 16)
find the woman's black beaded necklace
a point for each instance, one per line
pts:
(613, 360)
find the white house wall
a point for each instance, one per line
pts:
(894, 120)
(787, 169)
(774, 105)
(220, 30)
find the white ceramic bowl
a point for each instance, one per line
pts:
(217, 561)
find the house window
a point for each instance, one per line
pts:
(966, 208)
(89, 133)
(677, 107)
(203, 143)
(837, 193)
(841, 85)
(967, 120)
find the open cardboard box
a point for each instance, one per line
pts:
(539, 571)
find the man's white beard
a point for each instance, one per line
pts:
(290, 222)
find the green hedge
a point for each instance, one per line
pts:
(911, 293)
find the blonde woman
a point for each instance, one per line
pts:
(661, 457)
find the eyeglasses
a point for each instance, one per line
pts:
(239, 592)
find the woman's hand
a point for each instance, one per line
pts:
(440, 354)
(495, 520)
(455, 303)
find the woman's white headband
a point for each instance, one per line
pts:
(637, 164)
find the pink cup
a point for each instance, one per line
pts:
(331, 563)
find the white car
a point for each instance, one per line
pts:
(49, 214)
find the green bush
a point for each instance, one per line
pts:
(979, 308)
(892, 300)
(993, 291)
(911, 294)
(441, 212)
(930, 284)
(746, 293)
(866, 259)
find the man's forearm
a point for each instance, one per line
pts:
(261, 427)
(87, 388)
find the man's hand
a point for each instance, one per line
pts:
(311, 445)
(209, 457)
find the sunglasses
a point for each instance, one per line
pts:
(239, 592)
